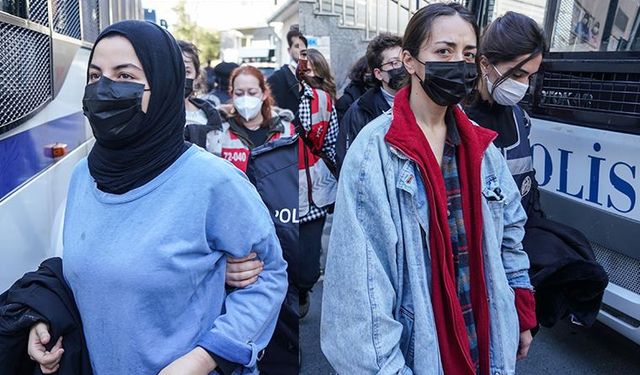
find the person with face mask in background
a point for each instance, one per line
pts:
(148, 226)
(260, 139)
(510, 54)
(318, 73)
(383, 57)
(284, 84)
(359, 82)
(317, 127)
(251, 104)
(563, 270)
(220, 94)
(425, 251)
(199, 111)
(250, 120)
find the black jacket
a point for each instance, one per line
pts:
(369, 106)
(42, 295)
(564, 272)
(196, 133)
(285, 89)
(351, 93)
(273, 169)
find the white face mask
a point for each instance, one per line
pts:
(509, 92)
(247, 106)
(294, 64)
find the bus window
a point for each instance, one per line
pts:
(14, 7)
(596, 25)
(534, 9)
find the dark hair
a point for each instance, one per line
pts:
(378, 45)
(294, 32)
(509, 37)
(323, 72)
(359, 71)
(191, 50)
(419, 27)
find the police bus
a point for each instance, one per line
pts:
(585, 135)
(44, 51)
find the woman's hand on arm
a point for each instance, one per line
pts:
(49, 361)
(196, 362)
(242, 272)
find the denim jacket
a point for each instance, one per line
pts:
(377, 316)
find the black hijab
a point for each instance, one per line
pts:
(119, 170)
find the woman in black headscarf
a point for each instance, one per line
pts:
(149, 222)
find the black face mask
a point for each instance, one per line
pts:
(114, 110)
(397, 78)
(448, 83)
(188, 87)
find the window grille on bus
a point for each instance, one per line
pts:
(66, 17)
(622, 270)
(90, 20)
(39, 12)
(23, 87)
(616, 93)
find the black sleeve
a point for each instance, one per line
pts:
(343, 104)
(349, 129)
(223, 367)
(275, 84)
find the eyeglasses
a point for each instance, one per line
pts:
(394, 64)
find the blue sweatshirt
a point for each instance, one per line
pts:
(147, 267)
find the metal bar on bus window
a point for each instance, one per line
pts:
(24, 23)
(333, 6)
(549, 19)
(634, 33)
(81, 19)
(608, 25)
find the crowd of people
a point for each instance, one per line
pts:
(192, 234)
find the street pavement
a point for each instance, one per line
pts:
(565, 349)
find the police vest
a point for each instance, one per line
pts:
(519, 156)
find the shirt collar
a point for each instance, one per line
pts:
(387, 96)
(453, 135)
(306, 89)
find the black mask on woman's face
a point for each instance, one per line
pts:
(114, 110)
(397, 78)
(448, 83)
(188, 87)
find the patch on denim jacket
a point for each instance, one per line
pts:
(491, 190)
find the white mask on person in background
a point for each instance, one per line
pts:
(294, 64)
(509, 92)
(247, 106)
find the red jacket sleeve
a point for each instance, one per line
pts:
(526, 307)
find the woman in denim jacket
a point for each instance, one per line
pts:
(425, 271)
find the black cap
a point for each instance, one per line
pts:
(224, 69)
